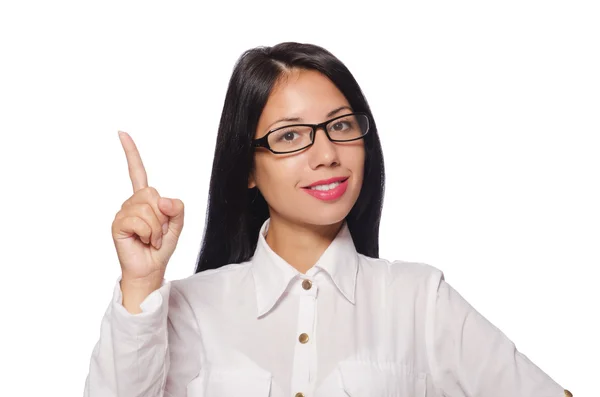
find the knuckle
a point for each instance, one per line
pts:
(140, 196)
(123, 213)
(150, 217)
(140, 225)
(126, 203)
(114, 227)
(119, 219)
(147, 210)
(150, 193)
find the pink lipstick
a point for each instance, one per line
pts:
(328, 189)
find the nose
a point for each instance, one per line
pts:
(323, 152)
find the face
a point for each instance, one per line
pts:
(283, 179)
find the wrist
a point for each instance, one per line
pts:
(150, 282)
(135, 291)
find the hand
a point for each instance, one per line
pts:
(146, 229)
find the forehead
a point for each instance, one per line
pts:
(305, 94)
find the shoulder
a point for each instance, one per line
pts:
(215, 283)
(401, 272)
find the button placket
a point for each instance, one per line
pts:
(304, 353)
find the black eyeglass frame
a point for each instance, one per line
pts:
(264, 141)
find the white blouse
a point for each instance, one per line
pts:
(351, 326)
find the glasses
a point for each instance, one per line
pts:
(293, 138)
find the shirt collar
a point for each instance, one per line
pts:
(272, 274)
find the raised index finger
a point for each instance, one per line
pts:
(137, 172)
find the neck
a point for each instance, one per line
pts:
(300, 245)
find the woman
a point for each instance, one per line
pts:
(289, 296)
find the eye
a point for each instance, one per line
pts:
(341, 125)
(287, 136)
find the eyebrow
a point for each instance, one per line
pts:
(330, 114)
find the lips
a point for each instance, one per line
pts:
(332, 194)
(327, 181)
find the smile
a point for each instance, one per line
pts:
(326, 187)
(328, 192)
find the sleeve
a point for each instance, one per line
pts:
(144, 354)
(470, 357)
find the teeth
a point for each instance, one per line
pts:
(325, 187)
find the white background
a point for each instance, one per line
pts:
(488, 114)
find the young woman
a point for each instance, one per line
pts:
(289, 296)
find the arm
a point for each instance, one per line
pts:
(470, 357)
(150, 354)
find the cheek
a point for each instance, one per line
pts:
(354, 160)
(360, 166)
(275, 174)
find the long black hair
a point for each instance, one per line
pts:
(235, 212)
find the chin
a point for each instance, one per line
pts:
(323, 214)
(330, 219)
(311, 211)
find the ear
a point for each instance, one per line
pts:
(251, 181)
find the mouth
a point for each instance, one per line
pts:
(328, 190)
(327, 184)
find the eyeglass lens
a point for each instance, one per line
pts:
(342, 129)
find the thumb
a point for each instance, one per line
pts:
(174, 209)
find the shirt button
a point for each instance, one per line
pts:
(303, 338)
(306, 284)
(299, 395)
